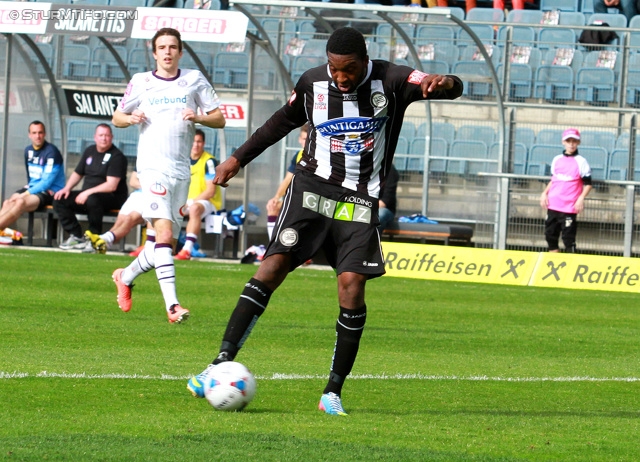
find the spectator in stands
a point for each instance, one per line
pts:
(129, 216)
(500, 4)
(563, 198)
(45, 176)
(629, 8)
(166, 104)
(204, 197)
(355, 108)
(387, 201)
(274, 205)
(104, 169)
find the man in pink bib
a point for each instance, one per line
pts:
(563, 198)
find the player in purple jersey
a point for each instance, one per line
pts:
(354, 107)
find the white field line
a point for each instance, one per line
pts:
(474, 378)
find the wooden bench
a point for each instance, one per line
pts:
(448, 234)
(50, 223)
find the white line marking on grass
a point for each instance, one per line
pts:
(472, 378)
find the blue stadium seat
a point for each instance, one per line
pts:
(602, 139)
(554, 83)
(595, 85)
(231, 69)
(482, 133)
(524, 16)
(540, 158)
(634, 37)
(454, 10)
(614, 20)
(279, 28)
(519, 157)
(439, 151)
(633, 77)
(597, 158)
(80, 133)
(572, 18)
(386, 34)
(495, 15)
(622, 141)
(468, 149)
(483, 31)
(126, 139)
(303, 63)
(444, 130)
(552, 37)
(400, 162)
(520, 80)
(104, 65)
(525, 136)
(618, 164)
(520, 36)
(76, 61)
(550, 136)
(435, 34)
(562, 5)
(306, 29)
(479, 69)
(408, 131)
(140, 60)
(587, 7)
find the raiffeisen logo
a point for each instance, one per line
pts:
(167, 100)
(346, 125)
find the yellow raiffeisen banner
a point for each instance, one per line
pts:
(466, 264)
(572, 271)
(446, 263)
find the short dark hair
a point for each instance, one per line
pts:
(107, 126)
(347, 41)
(37, 122)
(166, 31)
(201, 133)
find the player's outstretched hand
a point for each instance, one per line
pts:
(226, 170)
(435, 82)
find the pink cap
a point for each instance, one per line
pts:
(571, 133)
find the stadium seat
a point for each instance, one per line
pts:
(572, 18)
(231, 69)
(618, 164)
(478, 71)
(525, 136)
(444, 130)
(520, 80)
(80, 133)
(614, 20)
(562, 5)
(597, 158)
(400, 162)
(453, 10)
(434, 34)
(303, 63)
(520, 36)
(234, 137)
(408, 130)
(482, 133)
(606, 140)
(461, 149)
(519, 157)
(549, 37)
(437, 160)
(524, 16)
(139, 60)
(306, 29)
(622, 141)
(550, 136)
(634, 37)
(76, 61)
(540, 158)
(484, 32)
(587, 7)
(554, 83)
(495, 15)
(633, 78)
(315, 47)
(595, 85)
(126, 140)
(280, 30)
(103, 64)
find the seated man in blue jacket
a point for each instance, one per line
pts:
(45, 176)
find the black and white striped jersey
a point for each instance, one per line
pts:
(352, 136)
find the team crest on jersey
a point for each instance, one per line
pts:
(288, 237)
(158, 189)
(352, 145)
(182, 83)
(379, 100)
(154, 206)
(89, 160)
(416, 77)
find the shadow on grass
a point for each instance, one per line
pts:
(210, 446)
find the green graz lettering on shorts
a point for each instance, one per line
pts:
(344, 211)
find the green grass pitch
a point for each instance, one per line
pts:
(446, 371)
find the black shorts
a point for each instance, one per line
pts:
(44, 196)
(317, 215)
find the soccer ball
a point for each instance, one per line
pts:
(229, 386)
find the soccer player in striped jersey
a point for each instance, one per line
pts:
(355, 108)
(164, 103)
